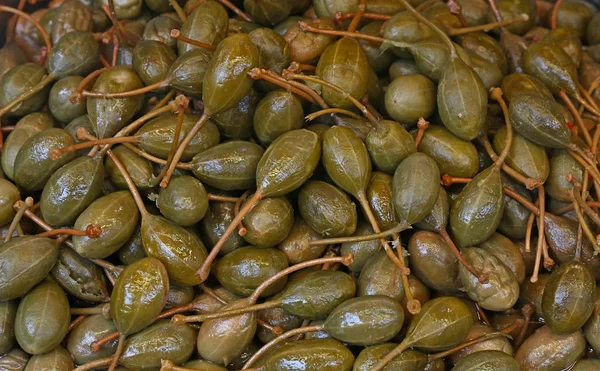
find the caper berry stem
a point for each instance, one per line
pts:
(236, 10)
(261, 74)
(214, 197)
(338, 240)
(482, 315)
(42, 224)
(456, 9)
(541, 237)
(422, 125)
(483, 278)
(164, 101)
(174, 145)
(121, 30)
(82, 134)
(76, 97)
(132, 188)
(104, 62)
(118, 352)
(236, 210)
(304, 26)
(327, 111)
(586, 165)
(588, 210)
(578, 120)
(176, 34)
(340, 17)
(125, 94)
(586, 228)
(184, 143)
(486, 27)
(43, 33)
(522, 200)
(27, 94)
(75, 322)
(103, 309)
(91, 231)
(529, 231)
(21, 209)
(504, 332)
(157, 160)
(278, 340)
(404, 345)
(179, 319)
(178, 9)
(102, 362)
(555, 14)
(360, 10)
(98, 344)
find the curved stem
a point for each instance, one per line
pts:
(588, 210)
(178, 9)
(130, 184)
(125, 94)
(55, 153)
(184, 143)
(91, 231)
(167, 365)
(214, 197)
(140, 152)
(165, 100)
(588, 97)
(522, 200)
(118, 352)
(174, 145)
(327, 111)
(39, 221)
(304, 26)
(391, 355)
(34, 21)
(586, 165)
(578, 120)
(528, 232)
(22, 208)
(278, 340)
(480, 276)
(422, 125)
(75, 322)
(289, 75)
(456, 9)
(27, 94)
(104, 62)
(236, 210)
(179, 319)
(98, 344)
(102, 362)
(357, 16)
(496, 94)
(176, 34)
(541, 237)
(76, 96)
(205, 269)
(586, 228)
(555, 14)
(299, 67)
(339, 240)
(261, 74)
(487, 27)
(588, 106)
(339, 17)
(482, 315)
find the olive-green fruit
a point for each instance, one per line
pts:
(379, 59)
(140, 169)
(486, 47)
(442, 323)
(437, 219)
(228, 166)
(14, 360)
(274, 53)
(362, 251)
(376, 319)
(10, 56)
(296, 245)
(540, 120)
(179, 296)
(546, 350)
(34, 165)
(276, 317)
(226, 80)
(152, 61)
(278, 112)
(327, 209)
(568, 299)
(327, 9)
(80, 277)
(388, 144)
(269, 222)
(380, 276)
(207, 23)
(524, 156)
(24, 262)
(108, 116)
(567, 41)
(586, 365)
(498, 343)
(243, 270)
(312, 355)
(41, 328)
(478, 209)
(181, 251)
(19, 80)
(288, 162)
(183, 201)
(409, 98)
(487, 360)
(222, 340)
(379, 195)
(500, 292)
(214, 224)
(56, 360)
(133, 249)
(317, 294)
(514, 219)
(161, 340)
(453, 155)
(306, 46)
(574, 16)
(159, 29)
(557, 185)
(187, 72)
(117, 215)
(82, 336)
(433, 262)
(415, 187)
(344, 64)
(489, 73)
(516, 84)
(407, 361)
(200, 364)
(71, 189)
(9, 194)
(24, 129)
(139, 295)
(591, 330)
(507, 252)
(58, 100)
(236, 122)
(268, 12)
(8, 312)
(532, 292)
(553, 66)
(404, 27)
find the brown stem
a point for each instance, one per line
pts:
(102, 362)
(37, 24)
(422, 125)
(91, 231)
(125, 94)
(504, 332)
(586, 165)
(130, 184)
(595, 112)
(180, 319)
(327, 111)
(391, 355)
(541, 236)
(339, 17)
(365, 101)
(214, 197)
(55, 153)
(77, 96)
(118, 352)
(483, 278)
(304, 26)
(21, 208)
(115, 49)
(339, 240)
(357, 16)
(184, 143)
(584, 225)
(486, 27)
(482, 315)
(174, 145)
(522, 200)
(496, 94)
(555, 14)
(578, 120)
(569, 207)
(278, 340)
(236, 210)
(98, 344)
(103, 309)
(261, 74)
(205, 269)
(447, 180)
(588, 97)
(528, 232)
(527, 310)
(176, 34)
(178, 9)
(456, 9)
(75, 322)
